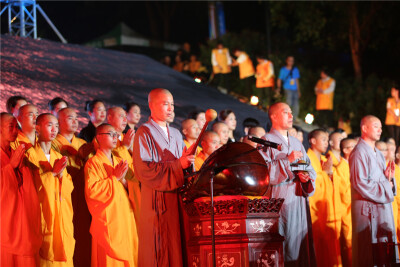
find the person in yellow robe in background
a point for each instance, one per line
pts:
(27, 115)
(113, 228)
(21, 237)
(67, 144)
(343, 170)
(334, 144)
(54, 186)
(116, 117)
(388, 150)
(325, 205)
(191, 131)
(210, 143)
(324, 90)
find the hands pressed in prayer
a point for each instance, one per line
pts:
(389, 172)
(128, 138)
(17, 156)
(59, 166)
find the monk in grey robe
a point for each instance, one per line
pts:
(295, 221)
(372, 191)
(159, 162)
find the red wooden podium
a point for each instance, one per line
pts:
(246, 230)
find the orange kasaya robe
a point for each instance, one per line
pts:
(21, 139)
(133, 183)
(113, 228)
(21, 237)
(325, 209)
(82, 217)
(343, 171)
(56, 209)
(397, 200)
(199, 160)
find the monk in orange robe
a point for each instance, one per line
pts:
(325, 204)
(113, 226)
(343, 170)
(20, 211)
(27, 115)
(210, 143)
(54, 186)
(67, 144)
(116, 117)
(191, 131)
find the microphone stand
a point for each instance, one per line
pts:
(212, 218)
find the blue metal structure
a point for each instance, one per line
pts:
(22, 18)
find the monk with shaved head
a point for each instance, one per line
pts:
(159, 157)
(293, 179)
(113, 225)
(67, 144)
(54, 186)
(27, 115)
(116, 117)
(372, 194)
(19, 205)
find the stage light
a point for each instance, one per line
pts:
(197, 80)
(309, 118)
(254, 100)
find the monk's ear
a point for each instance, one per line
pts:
(313, 141)
(37, 128)
(330, 142)
(184, 131)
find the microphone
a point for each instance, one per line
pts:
(265, 142)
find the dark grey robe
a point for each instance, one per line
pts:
(157, 166)
(371, 208)
(295, 221)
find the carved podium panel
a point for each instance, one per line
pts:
(246, 232)
(246, 224)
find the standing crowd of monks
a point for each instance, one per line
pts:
(108, 196)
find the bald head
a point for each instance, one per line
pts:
(68, 121)
(155, 94)
(44, 117)
(104, 128)
(26, 108)
(281, 116)
(210, 142)
(27, 118)
(161, 104)
(5, 117)
(46, 127)
(371, 128)
(8, 129)
(116, 116)
(368, 120)
(65, 112)
(274, 108)
(257, 131)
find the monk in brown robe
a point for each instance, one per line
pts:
(159, 158)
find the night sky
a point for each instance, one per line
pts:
(82, 21)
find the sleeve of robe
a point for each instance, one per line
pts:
(166, 175)
(20, 211)
(377, 190)
(280, 167)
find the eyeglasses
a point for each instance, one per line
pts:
(112, 134)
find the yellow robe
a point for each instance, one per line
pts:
(187, 144)
(82, 216)
(343, 171)
(113, 228)
(397, 200)
(56, 209)
(133, 183)
(199, 160)
(21, 139)
(325, 209)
